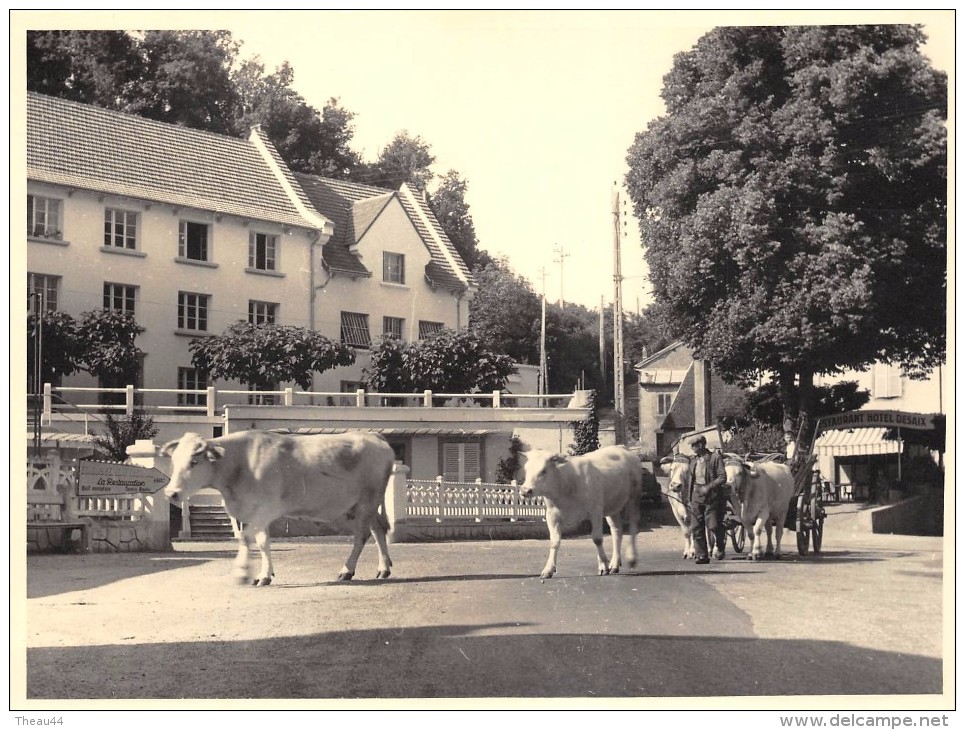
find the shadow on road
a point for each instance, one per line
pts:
(463, 661)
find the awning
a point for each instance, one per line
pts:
(855, 442)
(391, 431)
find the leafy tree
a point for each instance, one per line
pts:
(405, 159)
(793, 202)
(101, 342)
(508, 467)
(187, 79)
(93, 67)
(447, 362)
(123, 432)
(449, 205)
(763, 404)
(264, 355)
(307, 140)
(587, 431)
(506, 312)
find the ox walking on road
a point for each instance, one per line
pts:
(764, 491)
(604, 483)
(263, 476)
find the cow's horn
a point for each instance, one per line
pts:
(169, 447)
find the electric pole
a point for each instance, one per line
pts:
(560, 255)
(543, 389)
(602, 346)
(618, 390)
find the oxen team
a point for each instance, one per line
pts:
(342, 479)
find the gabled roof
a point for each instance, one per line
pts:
(353, 207)
(86, 147)
(657, 355)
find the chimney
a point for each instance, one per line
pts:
(702, 403)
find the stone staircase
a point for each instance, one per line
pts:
(210, 522)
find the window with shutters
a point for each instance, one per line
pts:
(460, 461)
(392, 327)
(355, 329)
(427, 329)
(885, 381)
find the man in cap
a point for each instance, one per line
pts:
(707, 477)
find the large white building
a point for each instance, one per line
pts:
(193, 231)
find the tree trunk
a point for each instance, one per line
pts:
(806, 395)
(789, 397)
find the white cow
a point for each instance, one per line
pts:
(677, 468)
(604, 483)
(263, 476)
(764, 491)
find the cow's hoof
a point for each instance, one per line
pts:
(258, 582)
(240, 576)
(546, 574)
(383, 574)
(614, 571)
(345, 576)
(632, 564)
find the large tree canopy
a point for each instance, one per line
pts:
(793, 202)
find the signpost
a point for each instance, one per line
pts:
(105, 478)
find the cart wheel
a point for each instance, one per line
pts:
(803, 533)
(817, 534)
(737, 537)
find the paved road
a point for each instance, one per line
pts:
(472, 620)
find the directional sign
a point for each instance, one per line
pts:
(102, 478)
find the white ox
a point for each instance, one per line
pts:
(678, 494)
(764, 491)
(263, 476)
(677, 468)
(604, 483)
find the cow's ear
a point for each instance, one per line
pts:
(213, 453)
(558, 459)
(169, 447)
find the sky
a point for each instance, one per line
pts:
(534, 109)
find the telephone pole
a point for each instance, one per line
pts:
(543, 389)
(560, 255)
(618, 390)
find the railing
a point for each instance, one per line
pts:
(442, 501)
(211, 401)
(49, 477)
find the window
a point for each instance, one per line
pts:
(43, 217)
(193, 241)
(192, 311)
(393, 267)
(664, 401)
(259, 396)
(885, 381)
(46, 287)
(460, 461)
(392, 327)
(119, 297)
(348, 386)
(355, 329)
(426, 329)
(261, 312)
(262, 251)
(192, 379)
(120, 228)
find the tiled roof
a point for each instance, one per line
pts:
(441, 248)
(353, 207)
(90, 148)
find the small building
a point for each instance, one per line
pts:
(679, 394)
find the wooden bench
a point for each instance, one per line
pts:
(48, 510)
